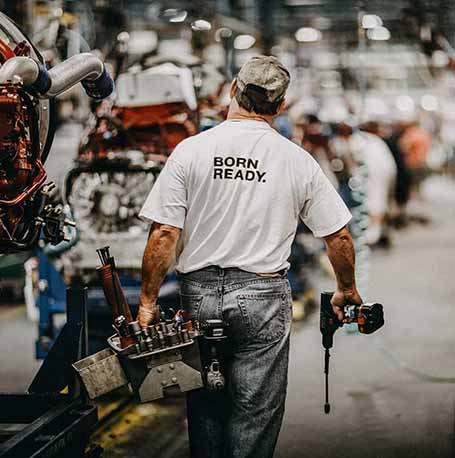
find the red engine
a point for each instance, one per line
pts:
(21, 171)
(26, 86)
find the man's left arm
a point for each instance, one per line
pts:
(158, 256)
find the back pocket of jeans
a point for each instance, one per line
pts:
(266, 316)
(191, 303)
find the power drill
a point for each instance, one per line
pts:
(369, 318)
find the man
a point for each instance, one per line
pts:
(233, 196)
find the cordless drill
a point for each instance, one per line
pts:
(369, 318)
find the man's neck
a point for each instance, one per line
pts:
(238, 113)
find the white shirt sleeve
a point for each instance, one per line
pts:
(167, 201)
(324, 211)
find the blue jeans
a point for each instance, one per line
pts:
(244, 420)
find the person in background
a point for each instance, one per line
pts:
(402, 187)
(315, 140)
(415, 143)
(381, 177)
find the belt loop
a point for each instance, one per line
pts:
(220, 280)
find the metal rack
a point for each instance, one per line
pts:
(45, 422)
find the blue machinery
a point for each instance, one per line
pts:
(44, 422)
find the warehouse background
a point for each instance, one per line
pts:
(372, 99)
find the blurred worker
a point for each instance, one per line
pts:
(233, 196)
(381, 176)
(415, 143)
(316, 141)
(403, 181)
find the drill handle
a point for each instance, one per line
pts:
(329, 322)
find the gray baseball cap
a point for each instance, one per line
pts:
(266, 72)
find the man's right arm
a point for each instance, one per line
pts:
(340, 250)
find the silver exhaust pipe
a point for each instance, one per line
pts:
(77, 68)
(22, 69)
(85, 68)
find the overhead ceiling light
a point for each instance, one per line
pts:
(201, 25)
(244, 41)
(440, 58)
(308, 35)
(370, 21)
(405, 103)
(180, 17)
(304, 2)
(429, 102)
(175, 15)
(378, 34)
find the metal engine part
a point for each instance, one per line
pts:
(105, 206)
(26, 137)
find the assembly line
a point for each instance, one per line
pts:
(226, 229)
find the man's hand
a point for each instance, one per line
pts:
(340, 299)
(341, 253)
(148, 313)
(156, 262)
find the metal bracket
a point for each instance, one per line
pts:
(172, 374)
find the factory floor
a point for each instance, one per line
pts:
(392, 393)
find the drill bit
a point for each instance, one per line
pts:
(326, 372)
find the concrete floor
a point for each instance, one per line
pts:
(392, 393)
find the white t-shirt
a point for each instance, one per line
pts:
(381, 170)
(237, 191)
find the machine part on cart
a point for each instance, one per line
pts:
(135, 329)
(176, 373)
(150, 372)
(106, 201)
(162, 355)
(121, 326)
(185, 336)
(116, 299)
(369, 318)
(101, 373)
(151, 368)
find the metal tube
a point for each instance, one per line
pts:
(77, 68)
(20, 67)
(50, 83)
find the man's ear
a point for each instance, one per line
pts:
(233, 88)
(281, 106)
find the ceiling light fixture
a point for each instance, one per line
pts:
(378, 34)
(370, 21)
(244, 41)
(201, 25)
(308, 35)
